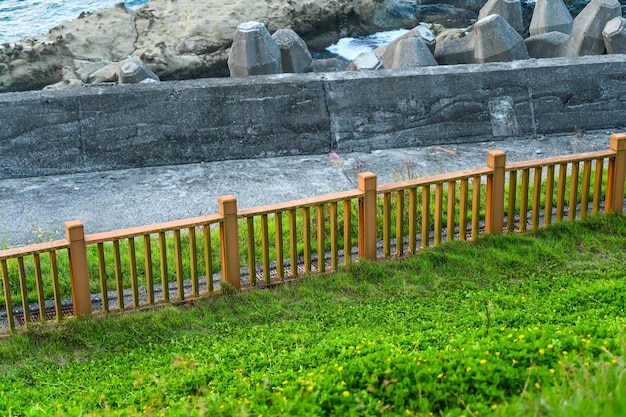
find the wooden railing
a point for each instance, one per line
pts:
(182, 260)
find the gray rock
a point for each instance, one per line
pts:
(134, 72)
(586, 37)
(408, 53)
(106, 74)
(254, 52)
(66, 83)
(497, 41)
(510, 10)
(197, 45)
(550, 16)
(545, 45)
(456, 51)
(295, 55)
(365, 61)
(614, 35)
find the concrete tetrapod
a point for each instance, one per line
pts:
(545, 45)
(510, 10)
(408, 53)
(365, 61)
(551, 16)
(136, 72)
(497, 41)
(456, 51)
(296, 57)
(420, 31)
(614, 35)
(586, 37)
(254, 52)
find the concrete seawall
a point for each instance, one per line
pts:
(116, 127)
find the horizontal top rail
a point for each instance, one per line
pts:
(420, 182)
(153, 228)
(564, 159)
(34, 249)
(296, 204)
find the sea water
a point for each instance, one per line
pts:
(19, 18)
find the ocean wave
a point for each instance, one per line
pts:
(350, 48)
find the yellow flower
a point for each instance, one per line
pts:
(440, 376)
(541, 351)
(497, 353)
(346, 394)
(537, 385)
(550, 346)
(494, 407)
(564, 353)
(521, 336)
(468, 369)
(509, 335)
(483, 361)
(340, 368)
(551, 370)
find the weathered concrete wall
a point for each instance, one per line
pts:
(465, 103)
(114, 127)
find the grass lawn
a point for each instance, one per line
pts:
(507, 326)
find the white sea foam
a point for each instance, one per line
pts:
(350, 48)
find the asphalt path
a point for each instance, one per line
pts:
(35, 209)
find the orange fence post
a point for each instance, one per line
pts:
(618, 144)
(494, 216)
(229, 238)
(79, 275)
(367, 216)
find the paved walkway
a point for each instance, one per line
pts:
(35, 209)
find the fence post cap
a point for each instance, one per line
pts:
(73, 223)
(227, 204)
(496, 159)
(618, 141)
(74, 230)
(367, 181)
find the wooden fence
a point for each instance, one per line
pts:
(250, 248)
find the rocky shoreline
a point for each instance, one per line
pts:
(177, 42)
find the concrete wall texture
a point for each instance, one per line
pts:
(110, 127)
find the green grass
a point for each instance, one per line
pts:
(505, 326)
